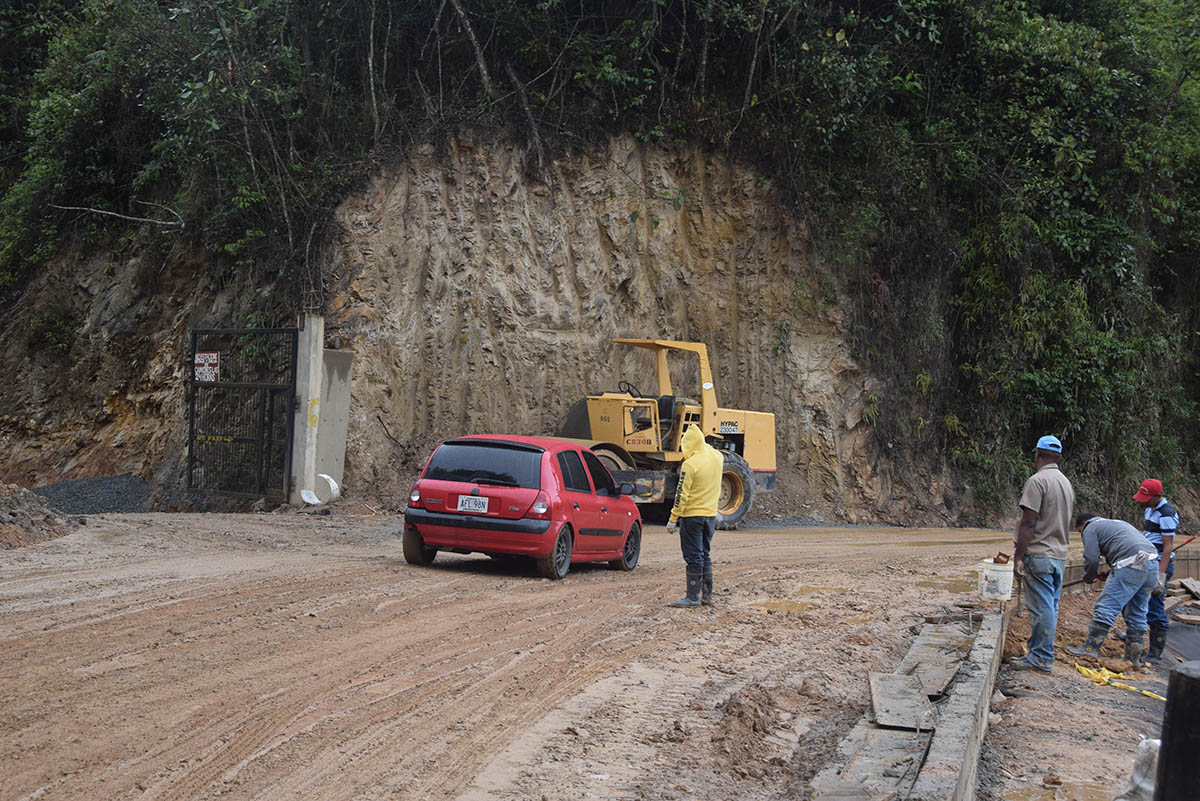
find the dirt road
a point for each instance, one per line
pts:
(290, 656)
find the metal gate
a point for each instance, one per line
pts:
(241, 408)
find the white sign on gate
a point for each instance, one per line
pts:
(208, 366)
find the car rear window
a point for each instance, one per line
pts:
(486, 463)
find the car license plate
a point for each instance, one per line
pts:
(472, 503)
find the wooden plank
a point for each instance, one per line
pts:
(1192, 619)
(1178, 600)
(900, 702)
(935, 655)
(1192, 585)
(872, 765)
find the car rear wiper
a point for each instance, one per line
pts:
(498, 482)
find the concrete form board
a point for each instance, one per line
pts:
(873, 765)
(935, 655)
(952, 763)
(878, 764)
(900, 702)
(334, 416)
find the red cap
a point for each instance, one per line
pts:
(1150, 488)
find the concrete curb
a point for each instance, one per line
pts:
(952, 762)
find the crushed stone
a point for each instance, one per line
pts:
(94, 496)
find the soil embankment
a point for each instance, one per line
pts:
(476, 299)
(26, 518)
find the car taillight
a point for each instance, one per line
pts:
(540, 510)
(414, 499)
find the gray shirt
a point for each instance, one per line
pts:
(1114, 540)
(1048, 493)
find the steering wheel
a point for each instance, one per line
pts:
(626, 387)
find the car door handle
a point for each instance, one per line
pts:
(603, 508)
(575, 505)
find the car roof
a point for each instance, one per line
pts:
(551, 444)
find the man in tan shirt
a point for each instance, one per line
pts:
(1040, 550)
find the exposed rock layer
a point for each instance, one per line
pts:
(476, 299)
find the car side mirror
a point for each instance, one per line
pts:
(626, 488)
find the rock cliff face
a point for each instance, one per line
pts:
(476, 299)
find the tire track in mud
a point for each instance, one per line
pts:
(334, 671)
(470, 730)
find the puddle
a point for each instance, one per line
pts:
(1075, 791)
(809, 589)
(970, 584)
(782, 605)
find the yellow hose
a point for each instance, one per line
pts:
(1105, 676)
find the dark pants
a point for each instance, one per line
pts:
(1156, 615)
(695, 540)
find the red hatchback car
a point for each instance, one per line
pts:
(539, 497)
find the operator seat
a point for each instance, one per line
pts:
(666, 416)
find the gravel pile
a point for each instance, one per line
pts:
(93, 496)
(25, 518)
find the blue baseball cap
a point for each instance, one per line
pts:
(1049, 443)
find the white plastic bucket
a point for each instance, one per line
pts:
(995, 581)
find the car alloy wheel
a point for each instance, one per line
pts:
(556, 565)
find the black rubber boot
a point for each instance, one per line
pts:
(1158, 642)
(706, 588)
(1091, 646)
(1133, 648)
(695, 575)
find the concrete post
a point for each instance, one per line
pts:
(310, 352)
(334, 417)
(1178, 769)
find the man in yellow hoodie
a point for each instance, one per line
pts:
(695, 513)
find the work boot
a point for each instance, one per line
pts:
(1023, 663)
(706, 588)
(1133, 648)
(695, 576)
(1091, 646)
(1121, 635)
(1158, 641)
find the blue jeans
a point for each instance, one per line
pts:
(1156, 615)
(1043, 586)
(695, 540)
(1127, 591)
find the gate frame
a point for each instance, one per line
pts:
(194, 386)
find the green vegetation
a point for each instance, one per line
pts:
(1007, 190)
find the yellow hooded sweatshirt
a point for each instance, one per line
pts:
(699, 477)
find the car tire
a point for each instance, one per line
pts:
(558, 562)
(415, 552)
(737, 491)
(630, 551)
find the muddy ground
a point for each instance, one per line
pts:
(293, 656)
(1047, 741)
